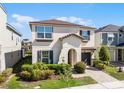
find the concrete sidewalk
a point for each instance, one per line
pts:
(109, 85)
(98, 75)
(104, 80)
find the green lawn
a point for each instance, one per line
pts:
(15, 83)
(55, 84)
(113, 72)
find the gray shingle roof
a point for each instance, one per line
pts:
(109, 28)
(121, 29)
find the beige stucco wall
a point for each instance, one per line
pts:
(7, 44)
(71, 42)
(59, 31)
(61, 48)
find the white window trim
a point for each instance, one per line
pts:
(46, 57)
(44, 33)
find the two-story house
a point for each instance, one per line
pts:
(10, 42)
(113, 37)
(26, 45)
(55, 41)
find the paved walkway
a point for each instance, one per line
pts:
(97, 75)
(109, 85)
(104, 80)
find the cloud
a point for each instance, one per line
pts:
(22, 18)
(19, 21)
(77, 20)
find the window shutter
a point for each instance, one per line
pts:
(80, 32)
(51, 57)
(38, 56)
(88, 34)
(52, 29)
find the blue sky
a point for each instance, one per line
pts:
(95, 15)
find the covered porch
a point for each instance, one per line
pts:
(87, 55)
(120, 52)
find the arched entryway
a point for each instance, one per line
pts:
(72, 57)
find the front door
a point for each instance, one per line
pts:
(119, 54)
(72, 57)
(86, 57)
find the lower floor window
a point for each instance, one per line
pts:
(45, 56)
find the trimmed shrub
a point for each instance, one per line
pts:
(66, 67)
(40, 65)
(25, 75)
(104, 54)
(100, 66)
(45, 74)
(80, 67)
(35, 66)
(106, 62)
(36, 74)
(59, 68)
(27, 67)
(99, 61)
(96, 62)
(28, 52)
(2, 78)
(7, 72)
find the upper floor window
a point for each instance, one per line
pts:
(109, 38)
(85, 34)
(44, 31)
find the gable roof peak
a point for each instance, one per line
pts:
(108, 28)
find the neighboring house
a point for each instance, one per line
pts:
(55, 41)
(10, 42)
(26, 45)
(113, 37)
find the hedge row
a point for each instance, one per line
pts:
(39, 71)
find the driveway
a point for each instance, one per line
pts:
(98, 75)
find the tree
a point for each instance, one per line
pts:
(104, 54)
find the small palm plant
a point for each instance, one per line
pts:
(66, 75)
